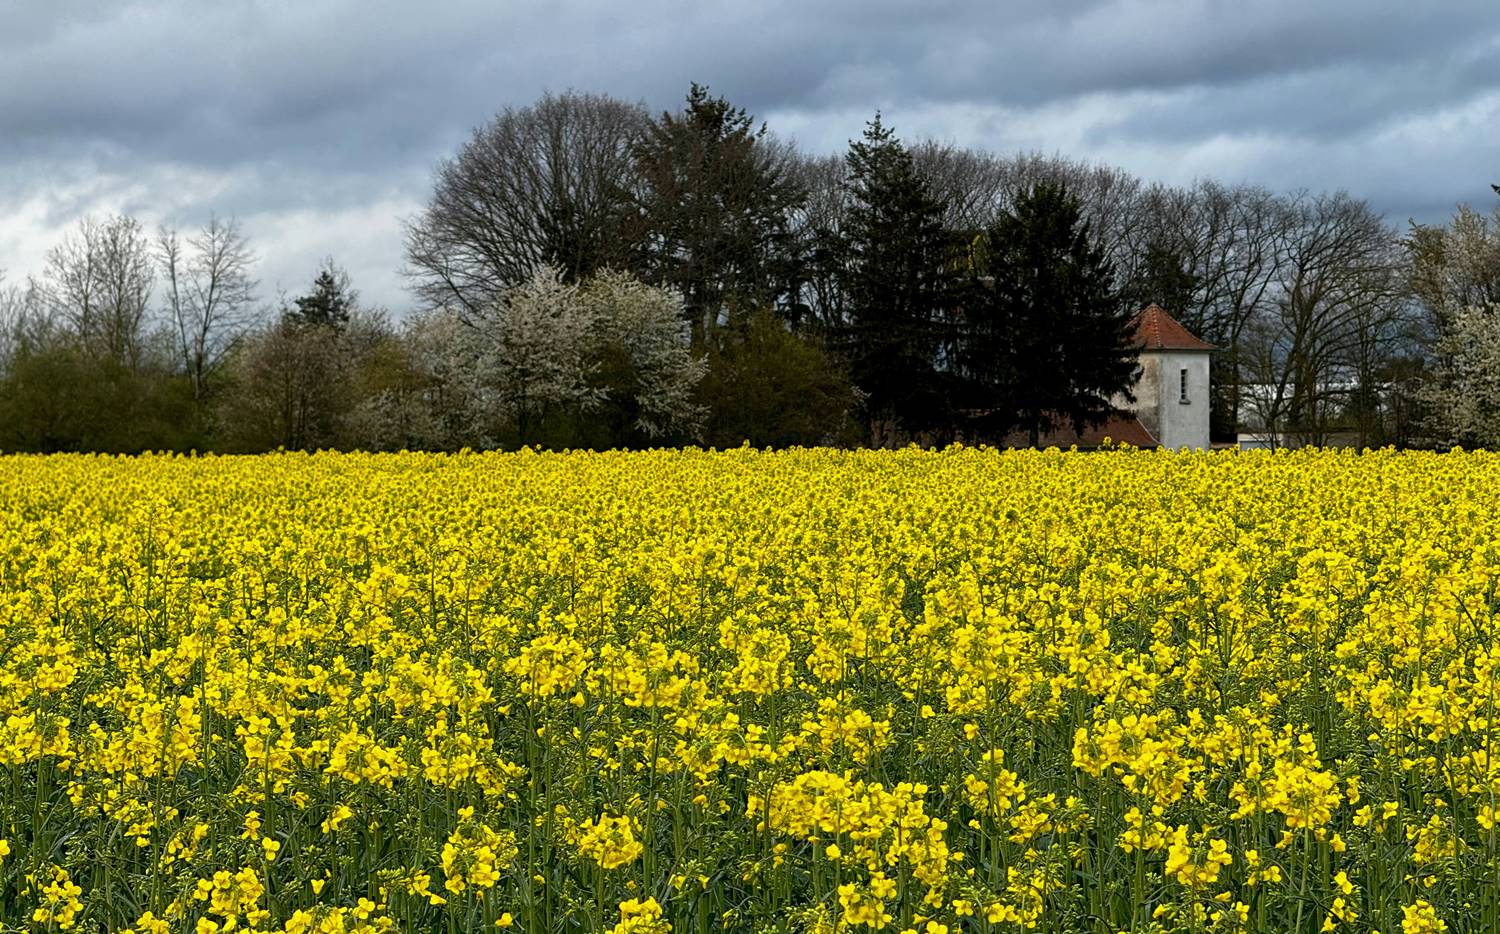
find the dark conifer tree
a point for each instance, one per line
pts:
(715, 199)
(1047, 341)
(1164, 279)
(330, 302)
(901, 284)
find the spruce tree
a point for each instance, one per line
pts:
(330, 302)
(1047, 340)
(716, 195)
(900, 283)
(1164, 279)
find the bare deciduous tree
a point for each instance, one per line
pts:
(209, 294)
(290, 373)
(972, 183)
(816, 227)
(300, 386)
(1109, 196)
(1337, 300)
(544, 185)
(1225, 238)
(99, 280)
(14, 309)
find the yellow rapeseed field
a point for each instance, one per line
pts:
(805, 691)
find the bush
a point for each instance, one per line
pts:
(59, 398)
(770, 387)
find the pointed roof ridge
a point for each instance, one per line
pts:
(1155, 329)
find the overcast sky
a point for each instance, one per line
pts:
(317, 122)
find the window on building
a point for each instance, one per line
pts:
(1182, 384)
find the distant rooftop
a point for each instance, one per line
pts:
(1120, 428)
(1157, 330)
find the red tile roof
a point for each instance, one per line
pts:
(1123, 428)
(1157, 330)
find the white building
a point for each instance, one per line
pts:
(1171, 395)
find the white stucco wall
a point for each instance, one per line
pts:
(1175, 423)
(1146, 405)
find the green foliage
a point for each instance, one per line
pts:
(59, 398)
(770, 387)
(1046, 339)
(716, 197)
(901, 283)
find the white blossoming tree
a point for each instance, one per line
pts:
(612, 350)
(1463, 401)
(532, 353)
(647, 372)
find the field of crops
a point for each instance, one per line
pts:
(806, 691)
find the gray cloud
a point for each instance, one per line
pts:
(318, 121)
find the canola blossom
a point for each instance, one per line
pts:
(805, 691)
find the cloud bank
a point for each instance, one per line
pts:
(317, 123)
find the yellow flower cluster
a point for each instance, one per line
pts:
(57, 896)
(609, 841)
(883, 828)
(475, 854)
(641, 917)
(1195, 862)
(943, 692)
(229, 895)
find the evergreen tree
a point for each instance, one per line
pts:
(715, 198)
(330, 302)
(1047, 341)
(1164, 279)
(900, 284)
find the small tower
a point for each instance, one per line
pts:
(1171, 396)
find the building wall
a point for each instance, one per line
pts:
(1158, 398)
(1147, 404)
(1178, 424)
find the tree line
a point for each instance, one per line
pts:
(589, 274)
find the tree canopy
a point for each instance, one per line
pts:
(900, 281)
(1047, 336)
